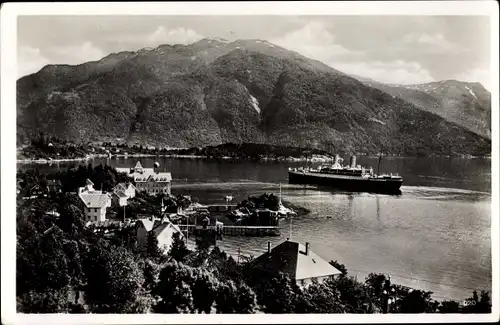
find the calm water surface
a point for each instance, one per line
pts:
(435, 236)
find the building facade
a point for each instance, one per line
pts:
(154, 185)
(149, 180)
(94, 203)
(119, 199)
(127, 188)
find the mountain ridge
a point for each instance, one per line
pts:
(467, 104)
(211, 92)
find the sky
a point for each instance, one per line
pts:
(390, 49)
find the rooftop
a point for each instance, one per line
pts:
(291, 258)
(123, 186)
(94, 200)
(120, 194)
(158, 226)
(148, 174)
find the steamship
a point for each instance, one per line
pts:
(352, 177)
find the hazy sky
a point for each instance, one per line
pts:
(393, 49)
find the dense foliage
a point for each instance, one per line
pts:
(104, 178)
(209, 93)
(251, 151)
(43, 146)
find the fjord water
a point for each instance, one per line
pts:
(436, 236)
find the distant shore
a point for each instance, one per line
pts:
(50, 161)
(173, 156)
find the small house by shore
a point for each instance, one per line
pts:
(295, 260)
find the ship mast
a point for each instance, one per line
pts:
(280, 196)
(378, 167)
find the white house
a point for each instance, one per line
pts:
(119, 198)
(94, 202)
(149, 179)
(127, 188)
(162, 229)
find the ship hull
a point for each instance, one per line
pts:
(347, 183)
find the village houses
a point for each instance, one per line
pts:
(150, 180)
(94, 203)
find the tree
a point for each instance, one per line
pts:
(114, 279)
(152, 250)
(173, 291)
(48, 301)
(204, 290)
(43, 269)
(417, 301)
(339, 266)
(476, 305)
(353, 294)
(178, 251)
(224, 266)
(449, 307)
(278, 295)
(71, 219)
(323, 299)
(151, 271)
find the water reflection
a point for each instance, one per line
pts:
(351, 207)
(378, 209)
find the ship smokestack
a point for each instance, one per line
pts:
(353, 162)
(337, 157)
(307, 249)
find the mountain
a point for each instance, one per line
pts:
(215, 91)
(466, 104)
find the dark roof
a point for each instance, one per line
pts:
(120, 194)
(290, 258)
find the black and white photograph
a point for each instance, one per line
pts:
(320, 160)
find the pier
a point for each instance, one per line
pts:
(253, 231)
(223, 207)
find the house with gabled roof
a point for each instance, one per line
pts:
(295, 260)
(162, 229)
(119, 198)
(94, 203)
(37, 190)
(127, 188)
(150, 180)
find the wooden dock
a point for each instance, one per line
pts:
(251, 231)
(221, 208)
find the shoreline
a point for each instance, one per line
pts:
(265, 159)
